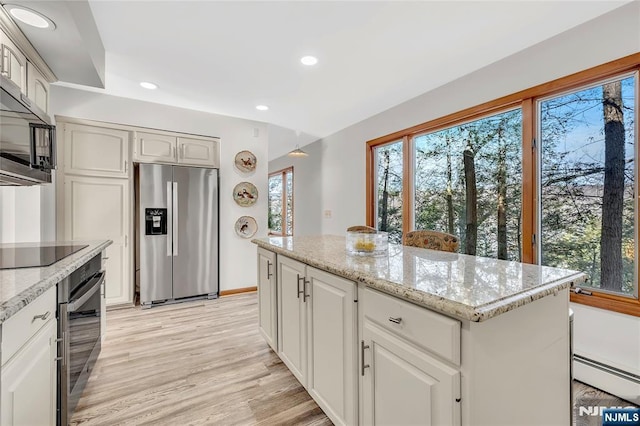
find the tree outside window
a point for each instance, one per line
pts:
(280, 202)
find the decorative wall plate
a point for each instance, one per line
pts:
(245, 194)
(246, 227)
(246, 161)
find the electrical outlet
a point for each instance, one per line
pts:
(327, 214)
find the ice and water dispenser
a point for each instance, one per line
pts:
(155, 221)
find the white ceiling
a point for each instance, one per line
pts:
(227, 57)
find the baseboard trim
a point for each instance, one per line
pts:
(238, 291)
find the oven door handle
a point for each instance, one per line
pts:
(74, 305)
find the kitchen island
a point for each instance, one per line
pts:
(418, 336)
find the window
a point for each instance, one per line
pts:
(468, 181)
(546, 175)
(587, 183)
(389, 190)
(281, 202)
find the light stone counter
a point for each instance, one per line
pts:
(466, 287)
(19, 287)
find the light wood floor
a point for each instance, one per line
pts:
(193, 363)
(201, 362)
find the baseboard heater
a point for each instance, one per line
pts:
(634, 378)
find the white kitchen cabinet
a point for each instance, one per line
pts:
(332, 354)
(95, 151)
(197, 152)
(96, 209)
(13, 64)
(403, 381)
(37, 88)
(155, 148)
(28, 372)
(171, 149)
(267, 297)
(317, 329)
(403, 385)
(292, 316)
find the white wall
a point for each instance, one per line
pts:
(20, 214)
(237, 255)
(342, 163)
(307, 186)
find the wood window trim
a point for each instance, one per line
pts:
(525, 99)
(283, 173)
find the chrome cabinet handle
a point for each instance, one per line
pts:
(298, 286)
(395, 320)
(362, 348)
(43, 317)
(269, 274)
(304, 289)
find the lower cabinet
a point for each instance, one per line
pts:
(292, 316)
(402, 385)
(331, 337)
(317, 336)
(29, 381)
(267, 302)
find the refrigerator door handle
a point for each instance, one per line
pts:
(175, 218)
(169, 222)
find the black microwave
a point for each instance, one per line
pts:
(27, 139)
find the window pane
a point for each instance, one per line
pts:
(289, 178)
(587, 183)
(389, 190)
(275, 204)
(475, 166)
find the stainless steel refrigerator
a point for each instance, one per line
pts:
(177, 232)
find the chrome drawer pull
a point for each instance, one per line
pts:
(43, 317)
(362, 348)
(395, 320)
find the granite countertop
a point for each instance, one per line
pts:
(466, 287)
(19, 287)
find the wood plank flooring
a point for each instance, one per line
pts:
(193, 363)
(202, 362)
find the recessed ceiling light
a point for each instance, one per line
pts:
(30, 17)
(149, 85)
(262, 107)
(309, 60)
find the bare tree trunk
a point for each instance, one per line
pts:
(449, 191)
(502, 197)
(384, 214)
(520, 236)
(471, 234)
(612, 199)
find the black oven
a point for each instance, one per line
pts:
(79, 333)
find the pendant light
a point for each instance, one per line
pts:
(297, 152)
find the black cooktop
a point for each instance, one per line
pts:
(35, 256)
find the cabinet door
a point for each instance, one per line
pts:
(267, 310)
(29, 382)
(13, 64)
(154, 148)
(292, 314)
(331, 334)
(96, 151)
(404, 386)
(98, 209)
(37, 88)
(197, 152)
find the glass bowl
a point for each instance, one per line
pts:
(367, 244)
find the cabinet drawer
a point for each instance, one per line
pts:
(18, 329)
(432, 331)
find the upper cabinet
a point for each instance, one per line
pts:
(169, 149)
(96, 151)
(13, 64)
(37, 88)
